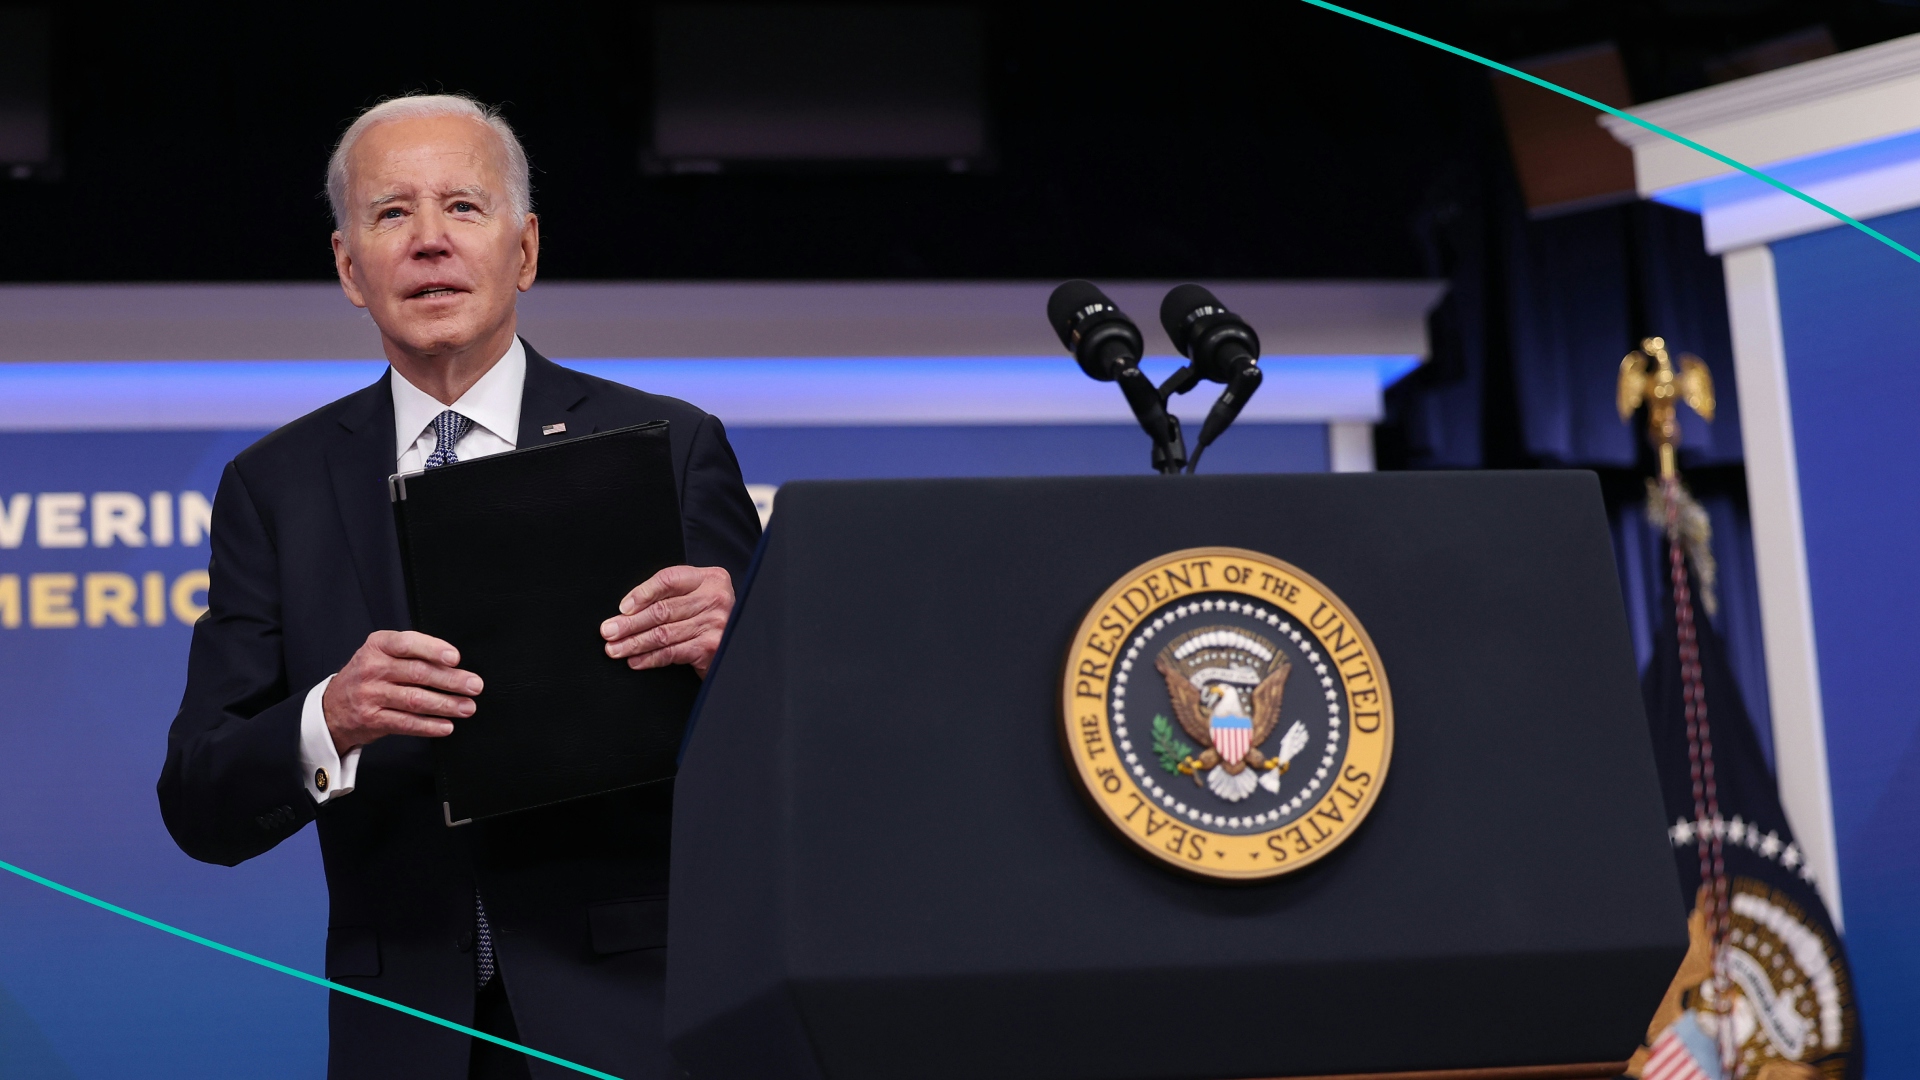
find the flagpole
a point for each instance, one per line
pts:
(1648, 376)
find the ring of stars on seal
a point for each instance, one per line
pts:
(1227, 713)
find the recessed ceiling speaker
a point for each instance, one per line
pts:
(26, 122)
(760, 86)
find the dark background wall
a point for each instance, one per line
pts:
(1203, 139)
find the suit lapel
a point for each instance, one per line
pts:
(359, 460)
(552, 395)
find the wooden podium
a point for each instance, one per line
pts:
(884, 867)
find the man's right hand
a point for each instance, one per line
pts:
(398, 683)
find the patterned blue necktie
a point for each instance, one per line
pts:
(449, 428)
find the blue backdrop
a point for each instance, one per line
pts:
(84, 705)
(102, 563)
(1847, 307)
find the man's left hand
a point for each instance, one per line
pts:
(674, 617)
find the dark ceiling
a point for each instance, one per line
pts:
(1266, 139)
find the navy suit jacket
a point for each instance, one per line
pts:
(305, 565)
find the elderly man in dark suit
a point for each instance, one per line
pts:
(308, 698)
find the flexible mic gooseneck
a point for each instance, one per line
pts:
(1107, 345)
(1222, 348)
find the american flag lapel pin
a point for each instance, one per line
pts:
(552, 429)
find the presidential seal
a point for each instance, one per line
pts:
(1227, 713)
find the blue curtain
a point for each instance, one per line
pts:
(1640, 552)
(1526, 352)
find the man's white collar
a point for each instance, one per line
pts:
(492, 403)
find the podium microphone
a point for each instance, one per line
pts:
(1107, 345)
(1221, 347)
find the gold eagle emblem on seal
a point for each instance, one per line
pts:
(1227, 713)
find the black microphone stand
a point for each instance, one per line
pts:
(1170, 457)
(1177, 383)
(1150, 408)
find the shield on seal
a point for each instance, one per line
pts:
(1232, 737)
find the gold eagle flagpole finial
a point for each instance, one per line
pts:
(1647, 377)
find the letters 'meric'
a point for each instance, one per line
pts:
(107, 598)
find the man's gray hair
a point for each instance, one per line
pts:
(420, 106)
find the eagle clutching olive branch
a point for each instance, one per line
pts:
(1217, 718)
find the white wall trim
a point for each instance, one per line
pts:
(1845, 129)
(1777, 215)
(1780, 556)
(1854, 97)
(1349, 446)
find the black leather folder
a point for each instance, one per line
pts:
(516, 559)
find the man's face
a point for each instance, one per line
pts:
(431, 247)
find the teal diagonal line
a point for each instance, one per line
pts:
(1624, 115)
(296, 972)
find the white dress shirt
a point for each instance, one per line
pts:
(493, 404)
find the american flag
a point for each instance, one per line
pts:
(1232, 736)
(1672, 1060)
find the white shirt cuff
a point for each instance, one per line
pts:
(328, 774)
